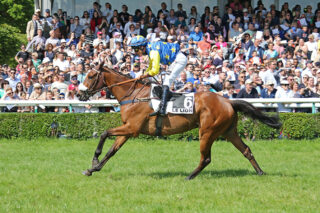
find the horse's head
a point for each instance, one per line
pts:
(93, 83)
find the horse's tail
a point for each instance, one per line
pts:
(251, 111)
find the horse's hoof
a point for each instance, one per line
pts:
(87, 173)
(261, 173)
(188, 178)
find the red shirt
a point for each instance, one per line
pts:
(93, 24)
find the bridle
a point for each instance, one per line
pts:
(90, 91)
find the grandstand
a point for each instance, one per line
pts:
(241, 49)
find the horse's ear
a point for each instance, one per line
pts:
(100, 65)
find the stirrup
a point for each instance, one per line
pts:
(154, 113)
(163, 113)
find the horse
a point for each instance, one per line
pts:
(214, 115)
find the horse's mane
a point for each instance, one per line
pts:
(128, 76)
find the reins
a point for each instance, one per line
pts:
(129, 91)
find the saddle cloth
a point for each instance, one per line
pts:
(178, 103)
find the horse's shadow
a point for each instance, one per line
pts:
(207, 174)
(215, 174)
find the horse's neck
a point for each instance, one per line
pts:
(124, 91)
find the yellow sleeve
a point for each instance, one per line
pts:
(154, 63)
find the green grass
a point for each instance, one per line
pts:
(148, 176)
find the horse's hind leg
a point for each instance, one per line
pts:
(233, 136)
(120, 140)
(206, 141)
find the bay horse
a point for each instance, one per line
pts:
(214, 115)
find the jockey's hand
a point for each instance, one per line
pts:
(143, 76)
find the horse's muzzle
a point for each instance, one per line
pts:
(83, 95)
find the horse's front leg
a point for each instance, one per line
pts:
(124, 133)
(98, 151)
(120, 140)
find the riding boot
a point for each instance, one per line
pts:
(163, 104)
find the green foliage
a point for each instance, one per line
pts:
(14, 16)
(84, 126)
(301, 125)
(16, 13)
(10, 43)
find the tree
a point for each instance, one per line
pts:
(16, 13)
(14, 16)
(10, 44)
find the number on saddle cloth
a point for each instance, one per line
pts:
(179, 103)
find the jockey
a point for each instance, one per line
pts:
(164, 53)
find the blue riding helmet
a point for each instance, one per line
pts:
(138, 41)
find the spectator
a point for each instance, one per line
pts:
(81, 75)
(293, 56)
(248, 91)
(163, 10)
(85, 20)
(204, 45)
(3, 85)
(187, 88)
(270, 53)
(95, 21)
(218, 86)
(283, 93)
(37, 93)
(22, 54)
(181, 82)
(60, 84)
(230, 94)
(19, 89)
(32, 27)
(255, 47)
(53, 39)
(12, 79)
(196, 35)
(10, 96)
(241, 81)
(269, 91)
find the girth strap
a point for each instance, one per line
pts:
(136, 100)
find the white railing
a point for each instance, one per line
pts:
(312, 103)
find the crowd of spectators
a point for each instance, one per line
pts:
(249, 52)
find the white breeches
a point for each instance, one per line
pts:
(176, 67)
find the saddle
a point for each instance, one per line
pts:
(157, 93)
(178, 103)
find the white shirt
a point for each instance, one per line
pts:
(208, 80)
(108, 14)
(312, 46)
(61, 86)
(63, 65)
(118, 54)
(306, 71)
(53, 41)
(280, 94)
(97, 41)
(84, 21)
(268, 76)
(127, 27)
(232, 75)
